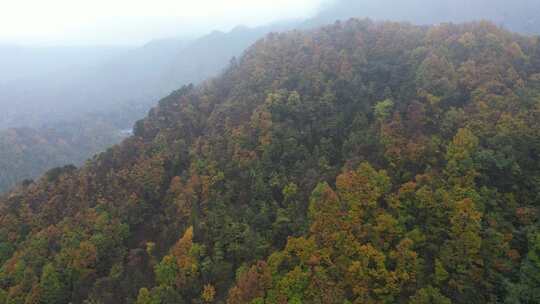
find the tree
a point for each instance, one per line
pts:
(52, 288)
(460, 166)
(208, 294)
(383, 109)
(3, 296)
(251, 284)
(144, 297)
(429, 295)
(527, 290)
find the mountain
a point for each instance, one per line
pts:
(209, 55)
(117, 86)
(520, 16)
(131, 78)
(75, 81)
(97, 103)
(360, 162)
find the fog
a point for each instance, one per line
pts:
(105, 22)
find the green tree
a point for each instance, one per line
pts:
(383, 109)
(527, 290)
(429, 295)
(52, 288)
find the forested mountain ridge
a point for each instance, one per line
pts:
(357, 163)
(91, 107)
(132, 77)
(57, 86)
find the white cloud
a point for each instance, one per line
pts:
(134, 21)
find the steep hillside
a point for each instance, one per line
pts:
(358, 163)
(91, 106)
(209, 55)
(130, 78)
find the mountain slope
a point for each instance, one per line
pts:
(520, 16)
(134, 78)
(121, 90)
(141, 75)
(91, 106)
(357, 163)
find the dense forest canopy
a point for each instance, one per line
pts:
(360, 162)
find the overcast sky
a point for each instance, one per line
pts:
(80, 22)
